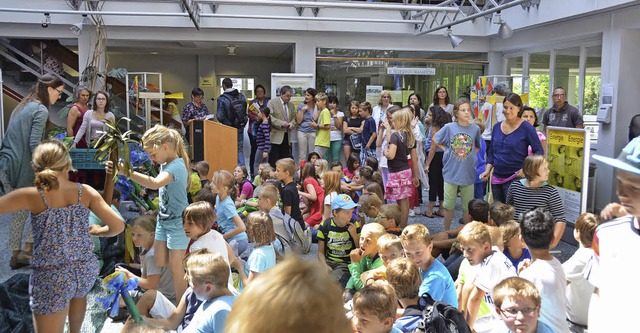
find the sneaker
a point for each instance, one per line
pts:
(412, 213)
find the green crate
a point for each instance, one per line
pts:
(83, 159)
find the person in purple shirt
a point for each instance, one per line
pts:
(510, 143)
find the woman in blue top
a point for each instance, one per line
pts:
(24, 133)
(306, 118)
(510, 143)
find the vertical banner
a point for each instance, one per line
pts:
(373, 94)
(568, 156)
(299, 83)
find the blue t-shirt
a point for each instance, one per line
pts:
(515, 261)
(507, 152)
(307, 118)
(260, 259)
(482, 161)
(411, 317)
(460, 159)
(173, 196)
(226, 211)
(367, 131)
(437, 281)
(211, 316)
(428, 141)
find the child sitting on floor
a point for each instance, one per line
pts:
(389, 217)
(364, 258)
(263, 256)
(374, 308)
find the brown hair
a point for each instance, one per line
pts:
(375, 189)
(202, 168)
(404, 276)
(501, 213)
(392, 212)
(226, 179)
(292, 284)
(369, 200)
(378, 299)
(260, 228)
(40, 91)
(205, 266)
(478, 123)
(49, 158)
(586, 225)
(514, 287)
(331, 180)
(146, 222)
(531, 166)
(366, 106)
(201, 213)
(509, 230)
(206, 194)
(416, 232)
(159, 135)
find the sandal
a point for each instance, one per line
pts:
(438, 214)
(17, 262)
(429, 215)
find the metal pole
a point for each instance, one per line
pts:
(1, 107)
(336, 4)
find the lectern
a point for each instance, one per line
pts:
(215, 143)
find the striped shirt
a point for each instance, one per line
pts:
(263, 137)
(523, 198)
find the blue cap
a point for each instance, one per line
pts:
(343, 201)
(628, 160)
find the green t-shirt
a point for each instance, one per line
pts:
(337, 241)
(323, 138)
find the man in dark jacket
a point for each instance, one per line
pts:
(232, 111)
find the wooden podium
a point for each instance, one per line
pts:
(218, 144)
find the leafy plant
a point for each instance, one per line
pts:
(114, 145)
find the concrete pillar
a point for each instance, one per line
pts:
(620, 49)
(304, 58)
(89, 55)
(496, 64)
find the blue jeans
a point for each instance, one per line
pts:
(240, 146)
(500, 191)
(479, 189)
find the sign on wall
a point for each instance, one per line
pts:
(299, 83)
(569, 167)
(410, 71)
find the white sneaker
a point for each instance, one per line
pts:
(412, 213)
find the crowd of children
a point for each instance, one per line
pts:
(243, 239)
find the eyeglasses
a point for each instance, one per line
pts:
(512, 313)
(380, 216)
(558, 95)
(60, 91)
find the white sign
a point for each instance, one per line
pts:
(411, 71)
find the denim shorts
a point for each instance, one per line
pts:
(172, 233)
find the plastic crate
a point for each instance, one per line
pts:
(83, 159)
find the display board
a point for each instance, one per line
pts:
(299, 83)
(569, 167)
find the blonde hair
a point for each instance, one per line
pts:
(265, 174)
(146, 222)
(324, 167)
(392, 212)
(201, 213)
(402, 123)
(416, 232)
(49, 159)
(270, 192)
(205, 266)
(373, 229)
(509, 229)
(496, 235)
(291, 284)
(368, 200)
(158, 135)
(260, 228)
(288, 165)
(475, 232)
(331, 180)
(404, 276)
(384, 92)
(226, 179)
(365, 106)
(390, 242)
(516, 287)
(531, 166)
(321, 96)
(377, 299)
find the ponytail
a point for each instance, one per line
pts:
(47, 180)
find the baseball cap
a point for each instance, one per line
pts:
(628, 160)
(343, 201)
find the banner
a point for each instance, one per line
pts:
(373, 94)
(299, 83)
(569, 167)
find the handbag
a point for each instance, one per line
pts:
(356, 141)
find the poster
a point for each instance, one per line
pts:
(569, 167)
(373, 94)
(299, 83)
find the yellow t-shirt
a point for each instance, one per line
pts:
(323, 138)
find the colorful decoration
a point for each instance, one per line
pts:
(117, 285)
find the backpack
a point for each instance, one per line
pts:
(300, 237)
(441, 317)
(238, 110)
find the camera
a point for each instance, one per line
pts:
(46, 21)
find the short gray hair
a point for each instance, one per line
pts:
(501, 89)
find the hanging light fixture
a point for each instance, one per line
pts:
(504, 31)
(76, 29)
(455, 40)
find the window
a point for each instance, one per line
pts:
(539, 80)
(514, 69)
(566, 73)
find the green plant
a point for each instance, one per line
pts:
(114, 145)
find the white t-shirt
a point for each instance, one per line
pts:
(493, 269)
(329, 198)
(214, 242)
(579, 290)
(550, 280)
(336, 133)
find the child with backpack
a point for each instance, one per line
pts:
(285, 171)
(404, 276)
(364, 258)
(290, 237)
(337, 237)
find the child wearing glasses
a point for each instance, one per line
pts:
(518, 303)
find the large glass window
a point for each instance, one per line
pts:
(539, 80)
(592, 76)
(514, 69)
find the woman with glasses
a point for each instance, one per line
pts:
(93, 121)
(194, 110)
(25, 131)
